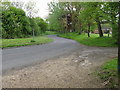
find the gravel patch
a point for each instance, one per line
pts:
(75, 70)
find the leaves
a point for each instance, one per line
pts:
(84, 16)
(15, 23)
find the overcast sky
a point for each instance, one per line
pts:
(43, 7)
(40, 4)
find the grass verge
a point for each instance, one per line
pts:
(24, 41)
(108, 74)
(94, 40)
(50, 33)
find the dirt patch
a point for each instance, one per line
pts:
(73, 71)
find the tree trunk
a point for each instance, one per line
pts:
(108, 33)
(88, 30)
(33, 34)
(99, 27)
(69, 22)
(114, 29)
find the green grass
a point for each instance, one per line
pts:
(50, 32)
(111, 65)
(108, 73)
(94, 40)
(24, 41)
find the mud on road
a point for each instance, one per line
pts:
(75, 70)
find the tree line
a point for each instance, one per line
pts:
(83, 17)
(16, 23)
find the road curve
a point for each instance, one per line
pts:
(18, 57)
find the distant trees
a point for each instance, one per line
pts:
(111, 9)
(84, 17)
(15, 23)
(56, 15)
(40, 25)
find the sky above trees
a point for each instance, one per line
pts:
(43, 7)
(40, 4)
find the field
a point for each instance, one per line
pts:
(24, 41)
(93, 40)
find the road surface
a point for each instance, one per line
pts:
(19, 57)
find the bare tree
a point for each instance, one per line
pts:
(31, 11)
(18, 4)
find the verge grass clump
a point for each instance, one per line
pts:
(25, 41)
(93, 40)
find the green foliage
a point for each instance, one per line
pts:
(111, 10)
(35, 27)
(86, 16)
(56, 21)
(43, 25)
(11, 22)
(26, 27)
(15, 23)
(115, 31)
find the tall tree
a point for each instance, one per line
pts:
(57, 16)
(111, 10)
(31, 11)
(96, 13)
(86, 18)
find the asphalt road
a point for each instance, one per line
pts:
(19, 57)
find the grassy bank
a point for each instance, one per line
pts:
(50, 33)
(108, 74)
(94, 40)
(24, 41)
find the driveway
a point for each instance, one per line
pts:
(76, 69)
(19, 57)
